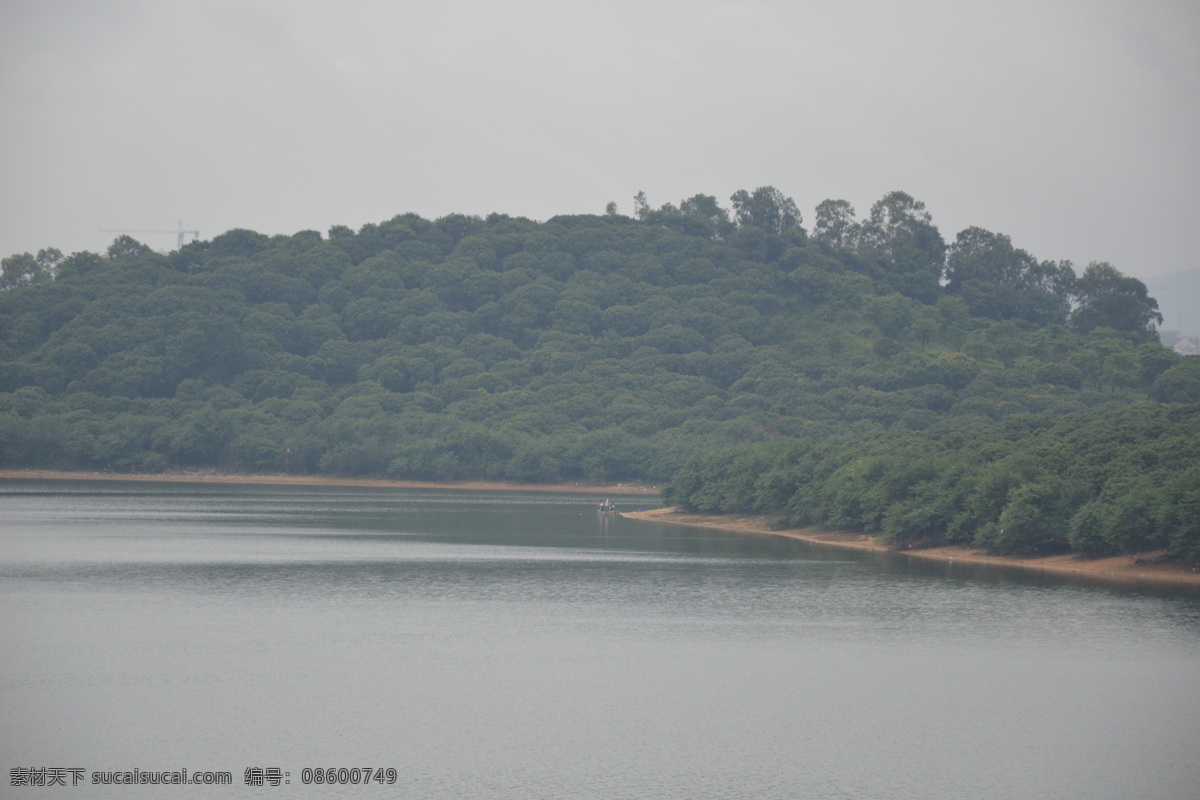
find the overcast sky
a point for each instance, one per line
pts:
(1070, 125)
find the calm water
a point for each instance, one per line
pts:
(493, 645)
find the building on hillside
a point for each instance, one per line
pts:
(1186, 347)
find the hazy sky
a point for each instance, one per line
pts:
(1071, 125)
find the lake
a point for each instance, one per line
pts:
(518, 645)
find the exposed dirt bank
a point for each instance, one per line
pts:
(1124, 569)
(317, 480)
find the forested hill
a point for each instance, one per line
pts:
(595, 348)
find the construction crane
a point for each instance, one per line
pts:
(179, 233)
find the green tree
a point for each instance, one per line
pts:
(641, 206)
(766, 208)
(125, 246)
(1000, 281)
(1121, 370)
(1179, 384)
(1035, 519)
(612, 455)
(22, 270)
(199, 438)
(1106, 298)
(835, 224)
(900, 235)
(711, 219)
(893, 313)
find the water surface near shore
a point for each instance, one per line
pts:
(493, 644)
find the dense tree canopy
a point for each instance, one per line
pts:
(766, 208)
(1106, 298)
(1120, 481)
(1000, 281)
(585, 347)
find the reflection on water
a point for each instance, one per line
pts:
(517, 644)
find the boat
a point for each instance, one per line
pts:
(606, 507)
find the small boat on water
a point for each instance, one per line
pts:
(606, 507)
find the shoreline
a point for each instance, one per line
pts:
(1124, 570)
(322, 480)
(1115, 569)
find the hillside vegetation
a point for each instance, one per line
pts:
(1118, 481)
(596, 348)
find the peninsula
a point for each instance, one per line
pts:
(1146, 567)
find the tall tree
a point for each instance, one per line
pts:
(901, 234)
(48, 259)
(1107, 298)
(898, 221)
(980, 256)
(641, 206)
(1049, 288)
(835, 224)
(766, 208)
(1000, 281)
(125, 245)
(704, 209)
(21, 270)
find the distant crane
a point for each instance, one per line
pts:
(179, 233)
